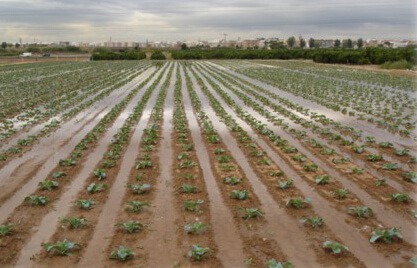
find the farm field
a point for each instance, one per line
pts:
(223, 163)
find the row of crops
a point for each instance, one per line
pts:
(205, 164)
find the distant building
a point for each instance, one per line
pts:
(325, 43)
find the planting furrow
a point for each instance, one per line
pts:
(314, 107)
(41, 159)
(335, 219)
(92, 256)
(286, 228)
(193, 224)
(25, 140)
(45, 231)
(26, 217)
(225, 235)
(365, 179)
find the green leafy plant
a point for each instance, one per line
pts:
(385, 144)
(385, 235)
(361, 212)
(224, 159)
(340, 193)
(67, 162)
(136, 206)
(334, 247)
(188, 188)
(140, 188)
(356, 170)
(314, 222)
(58, 174)
(96, 187)
(401, 152)
(6, 229)
(143, 164)
(85, 203)
(239, 194)
(358, 148)
(374, 157)
(130, 226)
(289, 150)
(74, 222)
(122, 254)
(322, 179)
(310, 167)
(232, 180)
(299, 158)
(250, 213)
(48, 185)
(193, 205)
(389, 166)
(298, 202)
(400, 197)
(410, 176)
(196, 252)
(195, 228)
(61, 247)
(219, 151)
(213, 139)
(100, 174)
(380, 182)
(285, 184)
(36, 200)
(273, 263)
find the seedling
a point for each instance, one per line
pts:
(136, 206)
(74, 222)
(67, 162)
(358, 148)
(6, 229)
(340, 193)
(130, 226)
(213, 139)
(310, 167)
(195, 228)
(361, 212)
(239, 194)
(58, 174)
(389, 166)
(96, 187)
(289, 150)
(122, 254)
(193, 205)
(196, 253)
(140, 188)
(85, 203)
(143, 164)
(357, 171)
(410, 177)
(182, 156)
(314, 222)
(187, 164)
(385, 144)
(321, 179)
(385, 235)
(285, 184)
(61, 247)
(400, 197)
(327, 151)
(250, 213)
(374, 157)
(108, 163)
(223, 159)
(401, 152)
(276, 173)
(231, 180)
(298, 202)
(36, 200)
(334, 247)
(273, 263)
(48, 185)
(219, 151)
(380, 182)
(188, 188)
(100, 174)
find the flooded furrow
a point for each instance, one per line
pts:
(48, 162)
(103, 231)
(334, 219)
(44, 231)
(286, 228)
(367, 130)
(225, 235)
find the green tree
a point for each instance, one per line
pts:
(311, 42)
(337, 43)
(302, 42)
(347, 43)
(360, 43)
(291, 41)
(3, 45)
(184, 46)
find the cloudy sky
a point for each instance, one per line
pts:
(167, 20)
